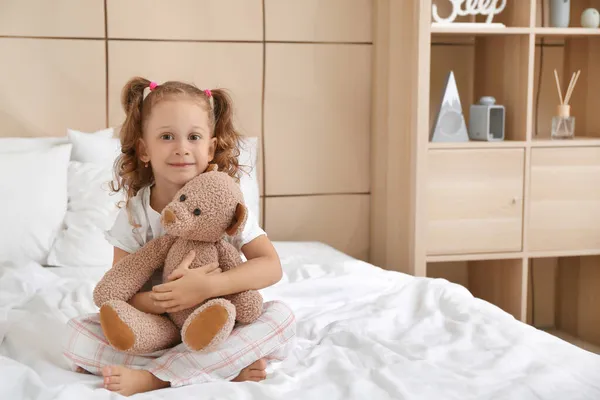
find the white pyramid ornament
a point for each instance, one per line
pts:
(450, 123)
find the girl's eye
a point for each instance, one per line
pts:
(166, 136)
(195, 136)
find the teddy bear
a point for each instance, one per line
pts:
(200, 214)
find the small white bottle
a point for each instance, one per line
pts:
(563, 124)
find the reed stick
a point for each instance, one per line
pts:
(558, 87)
(572, 86)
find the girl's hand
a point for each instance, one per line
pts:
(186, 287)
(143, 302)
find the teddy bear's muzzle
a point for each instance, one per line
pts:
(169, 217)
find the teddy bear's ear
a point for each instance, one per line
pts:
(239, 218)
(212, 167)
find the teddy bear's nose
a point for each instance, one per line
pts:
(169, 216)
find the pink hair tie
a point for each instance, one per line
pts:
(208, 93)
(153, 85)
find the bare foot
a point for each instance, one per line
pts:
(80, 370)
(254, 372)
(127, 381)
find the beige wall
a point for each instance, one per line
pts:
(300, 73)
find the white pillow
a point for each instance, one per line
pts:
(33, 202)
(92, 210)
(248, 174)
(99, 147)
(17, 144)
(105, 133)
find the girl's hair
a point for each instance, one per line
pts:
(130, 172)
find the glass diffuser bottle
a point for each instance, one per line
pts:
(563, 124)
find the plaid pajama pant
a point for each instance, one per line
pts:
(270, 337)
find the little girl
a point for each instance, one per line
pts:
(171, 133)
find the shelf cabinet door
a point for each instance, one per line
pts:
(565, 199)
(475, 200)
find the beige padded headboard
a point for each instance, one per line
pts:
(299, 71)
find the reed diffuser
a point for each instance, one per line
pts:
(563, 124)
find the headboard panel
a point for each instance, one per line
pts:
(301, 86)
(56, 18)
(47, 85)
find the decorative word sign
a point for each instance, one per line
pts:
(462, 8)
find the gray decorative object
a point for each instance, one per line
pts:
(450, 123)
(590, 18)
(560, 13)
(486, 120)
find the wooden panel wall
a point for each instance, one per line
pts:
(300, 73)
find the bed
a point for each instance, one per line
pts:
(362, 331)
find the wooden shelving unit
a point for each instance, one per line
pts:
(517, 222)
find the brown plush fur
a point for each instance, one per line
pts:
(130, 326)
(221, 210)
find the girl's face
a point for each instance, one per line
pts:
(177, 141)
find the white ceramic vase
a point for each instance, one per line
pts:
(560, 13)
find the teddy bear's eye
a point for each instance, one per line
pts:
(197, 212)
(182, 197)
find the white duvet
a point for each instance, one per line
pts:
(363, 333)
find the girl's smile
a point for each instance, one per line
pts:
(182, 165)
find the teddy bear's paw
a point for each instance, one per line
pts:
(117, 332)
(209, 325)
(133, 331)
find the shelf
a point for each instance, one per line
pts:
(493, 65)
(506, 144)
(499, 282)
(473, 257)
(563, 298)
(563, 253)
(477, 30)
(566, 31)
(510, 255)
(440, 33)
(577, 53)
(542, 19)
(578, 141)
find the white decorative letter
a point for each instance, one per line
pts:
(463, 8)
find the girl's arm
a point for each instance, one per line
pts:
(118, 254)
(262, 269)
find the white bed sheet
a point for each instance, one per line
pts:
(363, 333)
